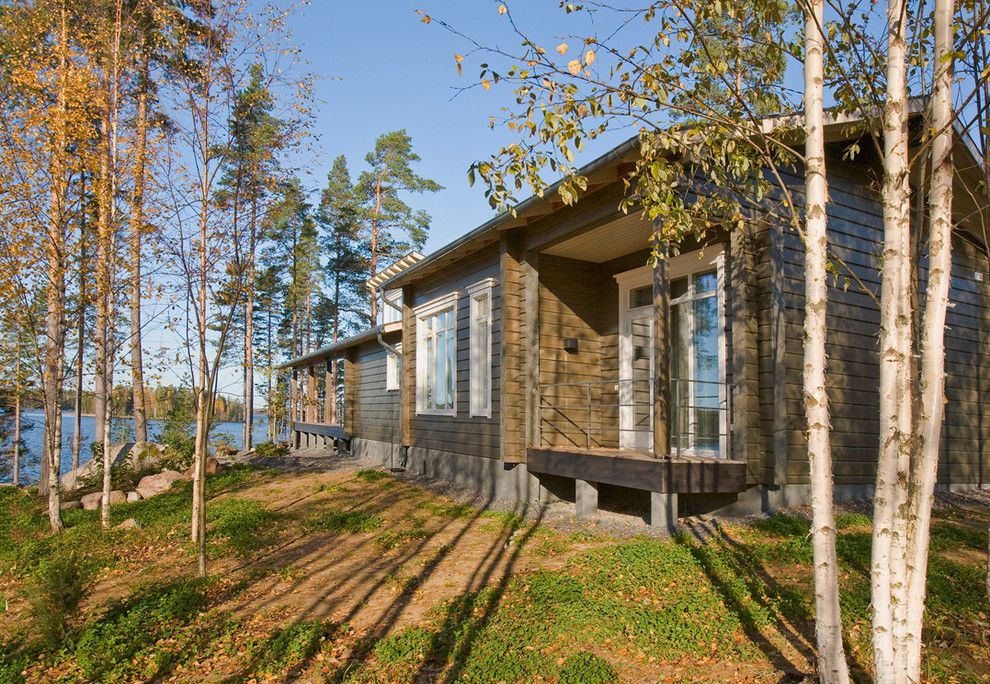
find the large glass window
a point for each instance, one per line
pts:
(695, 365)
(481, 350)
(436, 358)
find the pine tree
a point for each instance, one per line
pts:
(392, 226)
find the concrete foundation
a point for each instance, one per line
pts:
(513, 482)
(663, 511)
(586, 498)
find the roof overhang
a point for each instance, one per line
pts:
(400, 265)
(335, 349)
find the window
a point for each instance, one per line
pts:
(481, 348)
(393, 368)
(696, 368)
(436, 357)
(392, 306)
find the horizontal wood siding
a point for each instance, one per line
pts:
(376, 411)
(463, 434)
(855, 245)
(571, 306)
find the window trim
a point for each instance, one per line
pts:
(423, 312)
(393, 382)
(481, 404)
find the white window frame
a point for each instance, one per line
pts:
(481, 349)
(391, 306)
(424, 312)
(393, 369)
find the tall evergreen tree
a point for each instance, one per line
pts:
(392, 225)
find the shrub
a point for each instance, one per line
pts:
(57, 587)
(177, 436)
(271, 450)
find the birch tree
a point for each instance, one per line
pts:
(832, 665)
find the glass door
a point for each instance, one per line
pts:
(697, 375)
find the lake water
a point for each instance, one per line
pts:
(33, 425)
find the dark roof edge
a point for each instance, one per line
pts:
(346, 343)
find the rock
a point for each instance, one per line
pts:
(212, 468)
(129, 524)
(118, 452)
(132, 497)
(146, 457)
(90, 502)
(71, 505)
(117, 497)
(152, 485)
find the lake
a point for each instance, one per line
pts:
(32, 432)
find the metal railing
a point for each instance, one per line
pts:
(618, 414)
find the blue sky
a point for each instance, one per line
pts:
(380, 68)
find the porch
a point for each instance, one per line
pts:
(628, 382)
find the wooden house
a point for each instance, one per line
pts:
(519, 359)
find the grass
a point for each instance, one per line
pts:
(336, 520)
(372, 475)
(571, 608)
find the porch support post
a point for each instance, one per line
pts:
(531, 350)
(663, 511)
(407, 370)
(311, 395)
(293, 397)
(350, 390)
(329, 393)
(586, 498)
(661, 351)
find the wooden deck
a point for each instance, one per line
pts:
(640, 470)
(321, 429)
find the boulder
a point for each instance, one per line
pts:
(212, 468)
(153, 485)
(132, 497)
(129, 524)
(90, 502)
(70, 505)
(117, 497)
(147, 456)
(118, 452)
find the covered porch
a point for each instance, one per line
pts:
(628, 377)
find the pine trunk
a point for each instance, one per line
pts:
(888, 580)
(832, 667)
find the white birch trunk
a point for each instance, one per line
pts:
(932, 377)
(888, 582)
(832, 667)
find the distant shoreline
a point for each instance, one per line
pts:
(93, 415)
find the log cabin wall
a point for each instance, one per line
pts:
(855, 244)
(571, 306)
(376, 412)
(462, 434)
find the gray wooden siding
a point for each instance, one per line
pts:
(463, 434)
(855, 243)
(376, 410)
